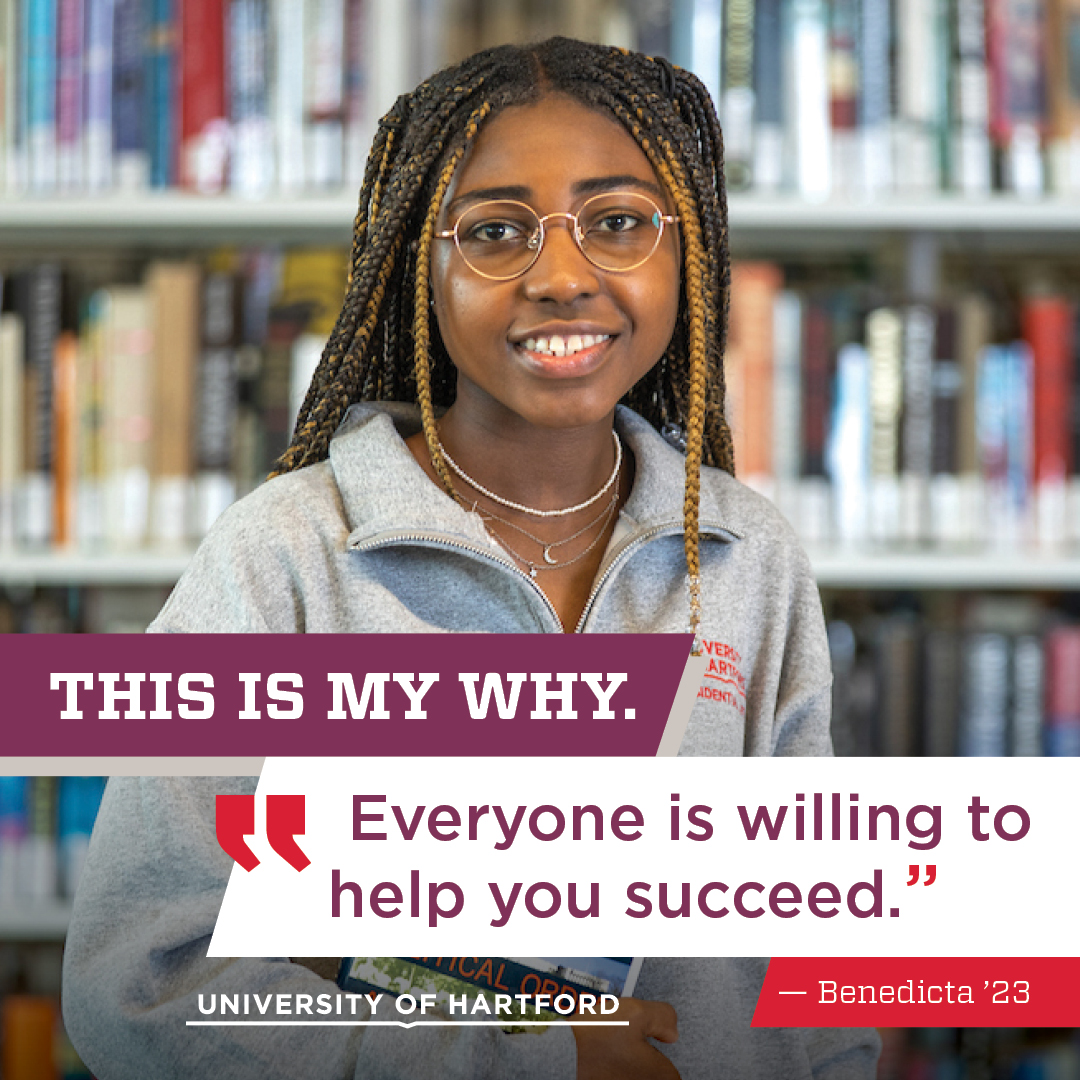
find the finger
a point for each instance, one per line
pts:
(659, 1021)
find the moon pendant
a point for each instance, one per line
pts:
(547, 557)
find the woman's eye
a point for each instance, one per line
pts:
(496, 232)
(618, 223)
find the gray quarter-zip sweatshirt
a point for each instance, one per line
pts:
(365, 543)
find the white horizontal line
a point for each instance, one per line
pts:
(508, 1022)
(793, 991)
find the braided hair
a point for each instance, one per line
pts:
(383, 346)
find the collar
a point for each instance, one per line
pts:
(384, 490)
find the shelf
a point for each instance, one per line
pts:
(172, 218)
(46, 920)
(834, 569)
(63, 568)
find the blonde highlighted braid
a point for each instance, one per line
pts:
(383, 346)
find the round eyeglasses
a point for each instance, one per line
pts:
(501, 239)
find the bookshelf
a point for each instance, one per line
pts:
(44, 921)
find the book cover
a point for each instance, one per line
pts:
(474, 987)
(203, 123)
(71, 37)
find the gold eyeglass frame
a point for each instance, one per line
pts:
(576, 232)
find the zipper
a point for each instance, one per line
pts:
(435, 540)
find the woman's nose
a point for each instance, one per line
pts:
(561, 272)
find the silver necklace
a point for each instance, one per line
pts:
(550, 564)
(545, 545)
(519, 507)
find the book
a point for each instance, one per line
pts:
(324, 72)
(173, 291)
(921, 95)
(875, 99)
(941, 691)
(737, 104)
(898, 645)
(65, 438)
(360, 92)
(946, 524)
(487, 983)
(815, 513)
(1048, 324)
(1025, 730)
(969, 163)
(39, 86)
(1015, 49)
(78, 801)
(844, 94)
(787, 400)
(807, 80)
(13, 829)
(884, 343)
(12, 399)
(98, 70)
(203, 125)
(71, 37)
(849, 445)
(1063, 91)
(288, 97)
(131, 162)
(1062, 654)
(916, 433)
(160, 80)
(984, 695)
(768, 71)
(251, 172)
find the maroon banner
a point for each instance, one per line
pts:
(286, 695)
(913, 991)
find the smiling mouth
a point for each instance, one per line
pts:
(557, 345)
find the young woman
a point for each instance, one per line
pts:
(506, 433)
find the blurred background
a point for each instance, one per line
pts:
(177, 186)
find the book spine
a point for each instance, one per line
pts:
(1048, 324)
(875, 104)
(849, 444)
(985, 695)
(393, 51)
(325, 75)
(917, 421)
(41, 42)
(787, 400)
(65, 438)
(360, 120)
(41, 287)
(921, 81)
(69, 95)
(216, 399)
(160, 89)
(12, 398)
(78, 802)
(98, 66)
(1026, 729)
(289, 23)
(884, 338)
(768, 165)
(90, 489)
(738, 99)
(1015, 57)
(969, 167)
(844, 93)
(130, 159)
(204, 129)
(946, 389)
(808, 98)
(252, 169)
(1063, 89)
(38, 871)
(1062, 650)
(706, 43)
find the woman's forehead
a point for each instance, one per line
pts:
(555, 148)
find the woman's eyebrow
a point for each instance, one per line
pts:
(518, 192)
(598, 184)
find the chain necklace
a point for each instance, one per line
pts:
(519, 507)
(549, 563)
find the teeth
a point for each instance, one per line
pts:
(557, 345)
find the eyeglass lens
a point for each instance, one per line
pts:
(501, 239)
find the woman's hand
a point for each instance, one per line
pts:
(625, 1053)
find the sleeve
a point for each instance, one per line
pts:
(135, 968)
(843, 1053)
(804, 697)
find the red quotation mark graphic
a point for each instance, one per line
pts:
(284, 822)
(915, 872)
